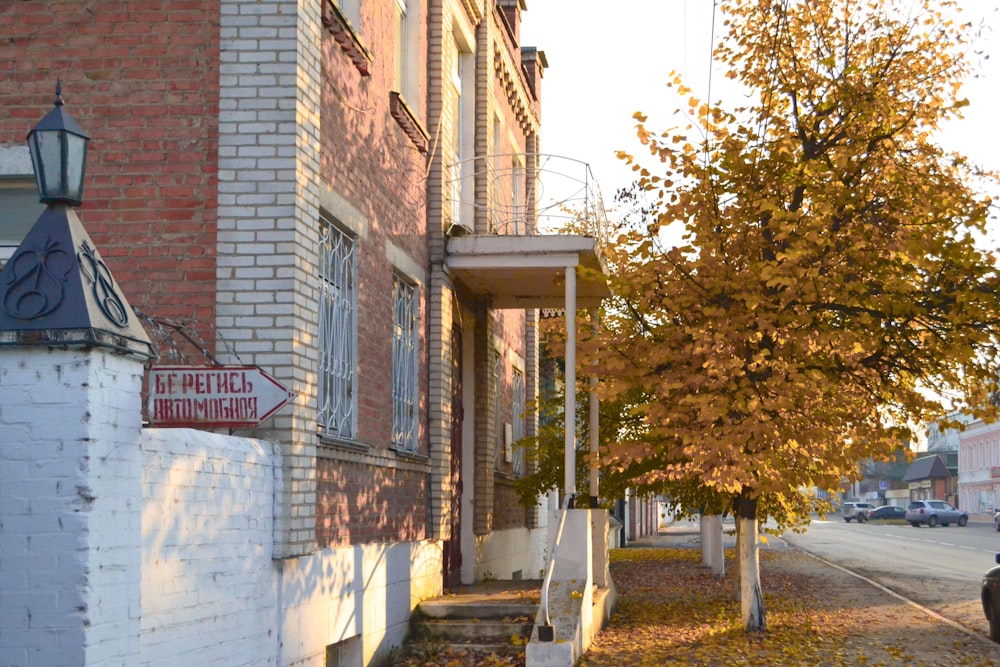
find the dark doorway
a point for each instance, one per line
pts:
(453, 546)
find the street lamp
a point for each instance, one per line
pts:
(58, 148)
(56, 289)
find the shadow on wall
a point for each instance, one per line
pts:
(208, 585)
(212, 593)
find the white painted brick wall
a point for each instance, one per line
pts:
(154, 547)
(69, 507)
(209, 588)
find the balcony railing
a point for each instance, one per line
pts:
(493, 194)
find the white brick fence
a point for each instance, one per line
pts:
(132, 547)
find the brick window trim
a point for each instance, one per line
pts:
(407, 120)
(347, 37)
(333, 442)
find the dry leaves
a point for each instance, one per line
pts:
(674, 612)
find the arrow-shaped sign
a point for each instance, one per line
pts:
(213, 396)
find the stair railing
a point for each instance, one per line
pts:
(546, 631)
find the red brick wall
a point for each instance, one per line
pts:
(360, 504)
(509, 325)
(509, 512)
(368, 159)
(142, 79)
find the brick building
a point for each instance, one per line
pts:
(977, 488)
(340, 192)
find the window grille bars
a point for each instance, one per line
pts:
(405, 365)
(338, 342)
(520, 408)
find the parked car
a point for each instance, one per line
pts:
(990, 593)
(887, 512)
(996, 519)
(857, 511)
(934, 512)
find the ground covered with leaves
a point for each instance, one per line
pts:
(673, 611)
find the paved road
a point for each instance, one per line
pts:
(940, 567)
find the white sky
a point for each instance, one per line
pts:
(608, 60)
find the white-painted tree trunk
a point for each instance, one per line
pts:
(736, 578)
(751, 595)
(712, 554)
(705, 538)
(716, 552)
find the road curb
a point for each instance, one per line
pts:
(930, 612)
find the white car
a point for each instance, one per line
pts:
(857, 511)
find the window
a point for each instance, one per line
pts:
(405, 345)
(351, 9)
(406, 61)
(462, 168)
(338, 332)
(457, 128)
(399, 57)
(498, 428)
(498, 210)
(21, 208)
(19, 205)
(520, 409)
(517, 206)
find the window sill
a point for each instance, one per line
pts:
(413, 456)
(344, 34)
(341, 443)
(407, 120)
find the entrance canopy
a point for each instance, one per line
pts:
(528, 271)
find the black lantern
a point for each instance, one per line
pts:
(59, 155)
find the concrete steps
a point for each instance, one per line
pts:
(495, 616)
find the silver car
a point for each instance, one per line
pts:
(934, 512)
(857, 511)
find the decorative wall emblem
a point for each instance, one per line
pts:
(38, 275)
(107, 298)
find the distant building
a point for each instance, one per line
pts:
(929, 477)
(979, 468)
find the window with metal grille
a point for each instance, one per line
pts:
(498, 429)
(405, 367)
(338, 332)
(520, 409)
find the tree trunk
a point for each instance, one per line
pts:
(705, 539)
(712, 552)
(751, 595)
(736, 577)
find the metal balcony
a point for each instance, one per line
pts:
(518, 222)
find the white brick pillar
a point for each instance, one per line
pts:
(70, 506)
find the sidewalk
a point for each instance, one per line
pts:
(687, 533)
(674, 612)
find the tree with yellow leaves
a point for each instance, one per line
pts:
(830, 290)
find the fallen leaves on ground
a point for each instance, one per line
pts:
(673, 611)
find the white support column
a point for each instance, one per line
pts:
(570, 406)
(594, 425)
